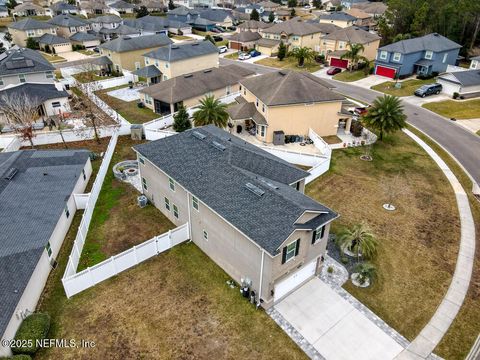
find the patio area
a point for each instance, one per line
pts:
(126, 94)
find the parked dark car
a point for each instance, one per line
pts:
(96, 49)
(255, 53)
(429, 89)
(217, 38)
(215, 30)
(333, 71)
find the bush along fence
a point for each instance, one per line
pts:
(73, 284)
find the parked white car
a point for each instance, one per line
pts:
(222, 49)
(244, 56)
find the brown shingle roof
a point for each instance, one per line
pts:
(254, 24)
(352, 34)
(245, 36)
(290, 87)
(246, 110)
(358, 13)
(293, 27)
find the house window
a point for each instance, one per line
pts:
(167, 204)
(144, 184)
(56, 104)
(256, 102)
(146, 61)
(290, 251)
(67, 212)
(428, 55)
(165, 77)
(263, 107)
(53, 31)
(341, 44)
(21, 77)
(30, 33)
(48, 247)
(84, 175)
(72, 29)
(205, 235)
(166, 65)
(171, 183)
(383, 55)
(318, 234)
(240, 88)
(195, 203)
(396, 56)
(262, 131)
(244, 91)
(175, 211)
(137, 65)
(445, 56)
(142, 160)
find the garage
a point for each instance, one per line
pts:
(294, 280)
(448, 87)
(235, 45)
(385, 71)
(465, 83)
(340, 63)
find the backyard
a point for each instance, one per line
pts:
(349, 76)
(85, 77)
(289, 63)
(458, 109)
(407, 88)
(418, 241)
(128, 109)
(53, 58)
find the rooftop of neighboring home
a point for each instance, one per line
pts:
(63, 6)
(352, 34)
(93, 5)
(28, 6)
(177, 52)
(464, 78)
(433, 42)
(196, 84)
(245, 36)
(83, 36)
(120, 30)
(152, 4)
(183, 11)
(245, 110)
(269, 43)
(3, 8)
(377, 8)
(338, 16)
(35, 195)
(242, 183)
(68, 20)
(254, 24)
(217, 15)
(36, 92)
(147, 71)
(106, 19)
(154, 23)
(325, 28)
(51, 39)
(120, 4)
(286, 87)
(293, 26)
(30, 24)
(23, 61)
(201, 21)
(268, 4)
(358, 13)
(126, 43)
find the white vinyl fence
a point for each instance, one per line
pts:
(10, 143)
(73, 284)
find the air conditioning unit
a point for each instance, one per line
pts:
(142, 201)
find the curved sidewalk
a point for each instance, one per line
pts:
(424, 344)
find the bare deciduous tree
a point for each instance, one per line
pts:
(393, 188)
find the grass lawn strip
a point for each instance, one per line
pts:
(349, 76)
(289, 63)
(418, 242)
(407, 89)
(458, 109)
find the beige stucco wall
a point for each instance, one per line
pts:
(39, 77)
(370, 51)
(34, 288)
(66, 33)
(270, 51)
(19, 37)
(126, 60)
(62, 48)
(177, 68)
(87, 44)
(311, 40)
(340, 23)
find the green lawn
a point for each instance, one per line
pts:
(289, 63)
(87, 52)
(407, 89)
(233, 56)
(128, 109)
(418, 242)
(181, 37)
(458, 109)
(85, 77)
(478, 133)
(349, 76)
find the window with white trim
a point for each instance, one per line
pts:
(144, 184)
(290, 251)
(171, 184)
(30, 33)
(21, 77)
(49, 74)
(167, 204)
(48, 248)
(445, 57)
(67, 212)
(428, 55)
(396, 56)
(175, 211)
(195, 203)
(205, 235)
(56, 104)
(141, 160)
(383, 55)
(318, 234)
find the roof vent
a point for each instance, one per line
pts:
(195, 44)
(254, 189)
(207, 71)
(269, 184)
(199, 135)
(188, 76)
(10, 173)
(218, 146)
(282, 73)
(127, 38)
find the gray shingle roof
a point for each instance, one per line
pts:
(37, 92)
(245, 36)
(183, 11)
(246, 110)
(67, 20)
(30, 207)
(290, 87)
(216, 15)
(338, 15)
(352, 34)
(120, 30)
(51, 39)
(60, 6)
(177, 52)
(219, 179)
(325, 28)
(107, 19)
(120, 4)
(83, 36)
(30, 24)
(23, 61)
(125, 43)
(154, 23)
(148, 71)
(254, 24)
(433, 42)
(293, 26)
(196, 84)
(464, 78)
(270, 43)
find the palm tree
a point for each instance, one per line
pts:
(359, 240)
(302, 54)
(365, 271)
(354, 55)
(211, 111)
(385, 115)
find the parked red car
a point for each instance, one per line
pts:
(333, 71)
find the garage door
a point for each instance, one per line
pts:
(339, 63)
(291, 282)
(235, 45)
(448, 87)
(385, 71)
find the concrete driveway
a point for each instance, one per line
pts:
(334, 327)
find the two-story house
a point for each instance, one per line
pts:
(220, 17)
(127, 53)
(105, 22)
(149, 25)
(338, 18)
(178, 59)
(286, 101)
(67, 25)
(423, 55)
(336, 44)
(254, 26)
(29, 28)
(253, 221)
(29, 9)
(64, 8)
(122, 7)
(183, 14)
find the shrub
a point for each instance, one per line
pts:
(356, 128)
(34, 327)
(330, 269)
(21, 357)
(456, 95)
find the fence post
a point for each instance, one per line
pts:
(113, 265)
(135, 254)
(91, 276)
(170, 238)
(66, 289)
(156, 245)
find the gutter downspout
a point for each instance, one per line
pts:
(261, 278)
(189, 217)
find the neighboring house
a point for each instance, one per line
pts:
(195, 3)
(54, 44)
(153, 6)
(374, 9)
(244, 40)
(187, 90)
(85, 39)
(294, 33)
(96, 7)
(240, 15)
(338, 18)
(149, 25)
(202, 24)
(422, 56)
(23, 29)
(336, 44)
(3, 11)
(67, 25)
(177, 59)
(331, 5)
(283, 14)
(269, 5)
(126, 53)
(183, 14)
(122, 7)
(21, 65)
(37, 189)
(219, 16)
(363, 19)
(465, 83)
(108, 34)
(28, 9)
(105, 22)
(475, 62)
(347, 4)
(253, 221)
(253, 25)
(288, 101)
(60, 8)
